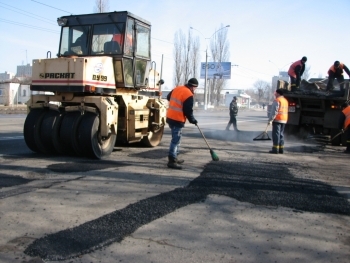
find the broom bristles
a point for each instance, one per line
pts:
(214, 156)
(262, 137)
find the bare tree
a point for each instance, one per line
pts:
(101, 6)
(178, 56)
(186, 57)
(219, 47)
(195, 57)
(261, 90)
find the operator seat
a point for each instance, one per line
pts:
(112, 47)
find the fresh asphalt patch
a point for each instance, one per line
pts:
(263, 184)
(12, 180)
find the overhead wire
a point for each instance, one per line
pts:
(29, 26)
(23, 12)
(254, 71)
(52, 7)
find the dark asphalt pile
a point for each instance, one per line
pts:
(12, 180)
(258, 183)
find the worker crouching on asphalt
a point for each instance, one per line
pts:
(233, 113)
(336, 72)
(344, 122)
(180, 107)
(278, 117)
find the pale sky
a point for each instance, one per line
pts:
(265, 36)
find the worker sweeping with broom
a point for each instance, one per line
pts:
(180, 107)
(278, 117)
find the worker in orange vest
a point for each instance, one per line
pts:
(278, 117)
(295, 72)
(180, 108)
(344, 124)
(336, 72)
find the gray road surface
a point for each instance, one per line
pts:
(248, 207)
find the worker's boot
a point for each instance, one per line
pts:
(274, 150)
(172, 163)
(347, 150)
(280, 150)
(179, 161)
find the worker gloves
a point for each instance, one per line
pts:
(193, 121)
(269, 122)
(342, 130)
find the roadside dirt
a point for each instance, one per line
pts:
(20, 109)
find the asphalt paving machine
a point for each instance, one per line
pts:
(313, 113)
(101, 89)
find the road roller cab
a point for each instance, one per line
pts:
(100, 90)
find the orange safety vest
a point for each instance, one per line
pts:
(178, 96)
(282, 115)
(332, 68)
(346, 112)
(291, 71)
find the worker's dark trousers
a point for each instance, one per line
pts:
(340, 79)
(232, 121)
(294, 83)
(347, 132)
(278, 137)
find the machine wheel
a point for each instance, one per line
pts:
(68, 136)
(44, 130)
(29, 128)
(336, 141)
(90, 140)
(153, 138)
(56, 139)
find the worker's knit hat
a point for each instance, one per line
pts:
(279, 91)
(193, 82)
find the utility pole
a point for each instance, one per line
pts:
(206, 64)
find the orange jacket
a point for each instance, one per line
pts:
(291, 71)
(282, 115)
(346, 112)
(178, 96)
(338, 71)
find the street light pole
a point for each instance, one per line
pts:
(205, 80)
(206, 65)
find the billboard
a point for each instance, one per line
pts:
(216, 70)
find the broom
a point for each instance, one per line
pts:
(263, 136)
(214, 156)
(341, 132)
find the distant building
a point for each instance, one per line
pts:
(283, 75)
(24, 71)
(14, 93)
(6, 76)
